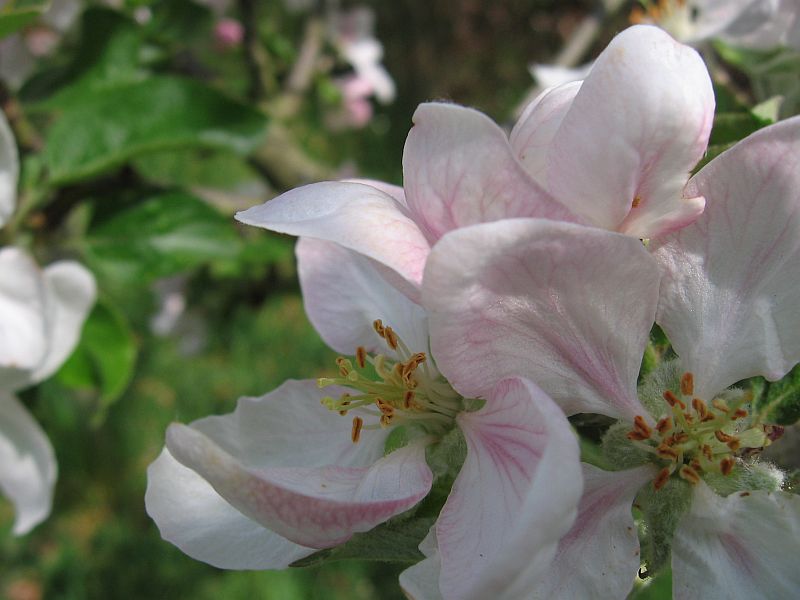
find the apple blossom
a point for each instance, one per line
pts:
(41, 314)
(305, 467)
(648, 104)
(571, 308)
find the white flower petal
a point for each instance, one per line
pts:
(567, 306)
(739, 547)
(343, 294)
(729, 298)
(639, 124)
(533, 133)
(27, 464)
(515, 496)
(357, 216)
(288, 463)
(599, 557)
(459, 169)
(191, 515)
(421, 582)
(70, 293)
(23, 339)
(9, 170)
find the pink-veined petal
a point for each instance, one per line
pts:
(639, 124)
(739, 547)
(288, 463)
(23, 339)
(567, 306)
(515, 496)
(358, 216)
(533, 133)
(344, 294)
(459, 169)
(27, 465)
(318, 507)
(9, 170)
(70, 293)
(599, 557)
(193, 517)
(729, 298)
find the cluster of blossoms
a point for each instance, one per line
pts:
(41, 315)
(504, 288)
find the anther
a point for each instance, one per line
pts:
(667, 453)
(661, 479)
(636, 202)
(377, 325)
(391, 337)
(687, 384)
(355, 432)
(673, 400)
(724, 437)
(689, 474)
(408, 399)
(361, 356)
(739, 413)
(699, 406)
(640, 425)
(726, 465)
(664, 425)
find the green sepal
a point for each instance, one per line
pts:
(779, 401)
(662, 510)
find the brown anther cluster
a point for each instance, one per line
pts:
(396, 387)
(693, 438)
(655, 11)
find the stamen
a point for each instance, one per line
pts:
(390, 337)
(720, 405)
(726, 465)
(664, 425)
(636, 202)
(639, 424)
(667, 453)
(408, 399)
(689, 474)
(701, 408)
(377, 324)
(662, 478)
(361, 357)
(673, 400)
(687, 384)
(355, 432)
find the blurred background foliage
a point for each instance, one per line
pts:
(143, 126)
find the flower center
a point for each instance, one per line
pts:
(395, 391)
(693, 438)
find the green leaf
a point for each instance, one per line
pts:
(161, 236)
(108, 127)
(105, 357)
(397, 540)
(779, 403)
(732, 127)
(16, 14)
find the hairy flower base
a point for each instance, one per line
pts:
(693, 438)
(402, 391)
